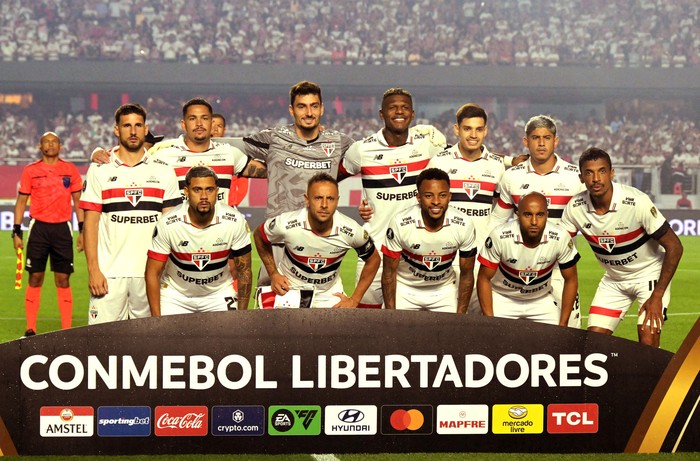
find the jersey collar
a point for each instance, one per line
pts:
(117, 162)
(614, 201)
(382, 140)
(556, 169)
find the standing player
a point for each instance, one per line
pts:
(389, 162)
(517, 265)
(421, 245)
(123, 201)
(547, 173)
(632, 242)
(239, 185)
(316, 239)
(198, 238)
(52, 183)
(474, 173)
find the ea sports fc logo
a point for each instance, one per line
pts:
(407, 419)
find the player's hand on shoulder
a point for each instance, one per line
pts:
(366, 212)
(520, 159)
(99, 155)
(345, 302)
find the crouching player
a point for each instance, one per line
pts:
(316, 239)
(420, 246)
(198, 238)
(632, 242)
(517, 263)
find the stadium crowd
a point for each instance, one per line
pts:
(669, 141)
(546, 33)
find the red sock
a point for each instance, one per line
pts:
(32, 298)
(65, 306)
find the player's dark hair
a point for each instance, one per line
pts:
(432, 174)
(594, 153)
(396, 92)
(470, 111)
(196, 102)
(303, 88)
(321, 177)
(540, 121)
(127, 109)
(200, 172)
(217, 115)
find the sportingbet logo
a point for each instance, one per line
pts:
(398, 172)
(179, 421)
(572, 418)
(200, 260)
(296, 420)
(607, 242)
(124, 421)
(518, 419)
(462, 419)
(471, 188)
(66, 421)
(133, 195)
(407, 419)
(317, 263)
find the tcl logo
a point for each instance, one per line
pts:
(181, 421)
(572, 418)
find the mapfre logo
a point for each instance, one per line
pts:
(181, 421)
(572, 418)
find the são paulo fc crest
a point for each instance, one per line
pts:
(607, 242)
(431, 262)
(317, 264)
(398, 172)
(471, 188)
(527, 276)
(328, 148)
(200, 260)
(133, 196)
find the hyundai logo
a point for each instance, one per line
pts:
(351, 416)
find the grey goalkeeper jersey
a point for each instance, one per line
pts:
(292, 161)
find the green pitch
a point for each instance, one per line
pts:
(683, 312)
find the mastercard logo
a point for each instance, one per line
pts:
(407, 420)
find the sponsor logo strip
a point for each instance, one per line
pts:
(237, 420)
(407, 419)
(294, 420)
(66, 421)
(462, 419)
(181, 421)
(350, 420)
(124, 421)
(518, 419)
(572, 418)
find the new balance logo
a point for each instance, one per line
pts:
(112, 179)
(184, 243)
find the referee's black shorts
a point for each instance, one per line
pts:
(49, 239)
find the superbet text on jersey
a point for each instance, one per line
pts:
(388, 175)
(623, 240)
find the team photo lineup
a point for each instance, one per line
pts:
(446, 225)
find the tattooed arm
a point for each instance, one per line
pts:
(245, 279)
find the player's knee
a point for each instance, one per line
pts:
(36, 279)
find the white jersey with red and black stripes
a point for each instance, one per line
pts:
(523, 272)
(309, 258)
(198, 257)
(130, 200)
(388, 175)
(559, 185)
(472, 183)
(427, 256)
(224, 159)
(623, 240)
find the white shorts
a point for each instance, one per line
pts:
(439, 299)
(558, 289)
(612, 300)
(125, 299)
(543, 310)
(295, 298)
(373, 297)
(172, 302)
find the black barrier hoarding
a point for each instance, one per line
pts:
(325, 381)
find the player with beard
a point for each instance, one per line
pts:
(197, 239)
(315, 239)
(123, 200)
(632, 242)
(421, 245)
(389, 162)
(517, 264)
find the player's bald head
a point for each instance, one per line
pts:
(533, 197)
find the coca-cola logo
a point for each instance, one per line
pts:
(178, 421)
